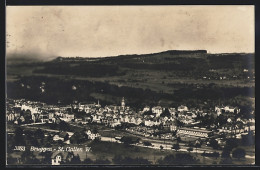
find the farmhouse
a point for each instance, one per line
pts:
(61, 136)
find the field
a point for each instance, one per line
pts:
(107, 150)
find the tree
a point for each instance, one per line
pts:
(46, 157)
(215, 154)
(231, 143)
(178, 139)
(221, 120)
(28, 157)
(225, 153)
(18, 136)
(190, 149)
(213, 143)
(248, 139)
(147, 143)
(95, 130)
(185, 158)
(190, 144)
(161, 147)
(239, 153)
(75, 160)
(179, 123)
(77, 138)
(176, 146)
(102, 161)
(129, 140)
(166, 113)
(64, 126)
(179, 158)
(167, 160)
(148, 113)
(27, 116)
(240, 125)
(197, 145)
(117, 159)
(142, 161)
(174, 133)
(39, 134)
(226, 161)
(88, 161)
(66, 137)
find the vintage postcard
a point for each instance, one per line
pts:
(130, 85)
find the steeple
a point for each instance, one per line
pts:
(123, 103)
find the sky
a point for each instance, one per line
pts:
(99, 31)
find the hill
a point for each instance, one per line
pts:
(167, 78)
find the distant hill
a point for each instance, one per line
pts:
(20, 58)
(127, 56)
(170, 78)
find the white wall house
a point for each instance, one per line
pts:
(157, 110)
(182, 108)
(56, 160)
(91, 135)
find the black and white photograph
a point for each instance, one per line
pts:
(130, 85)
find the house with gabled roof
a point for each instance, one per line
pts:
(59, 157)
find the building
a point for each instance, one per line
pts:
(123, 103)
(138, 121)
(67, 117)
(36, 117)
(157, 110)
(152, 122)
(44, 117)
(182, 108)
(33, 109)
(172, 111)
(146, 109)
(196, 132)
(61, 136)
(229, 109)
(10, 117)
(92, 135)
(96, 118)
(58, 157)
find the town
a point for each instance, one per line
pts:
(223, 132)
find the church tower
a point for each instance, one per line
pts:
(123, 103)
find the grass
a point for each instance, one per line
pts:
(108, 150)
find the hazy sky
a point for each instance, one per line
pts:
(93, 31)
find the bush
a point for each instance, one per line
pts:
(214, 154)
(226, 161)
(179, 158)
(239, 153)
(118, 159)
(190, 149)
(225, 153)
(176, 146)
(146, 143)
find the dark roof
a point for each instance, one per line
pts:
(63, 134)
(56, 153)
(197, 130)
